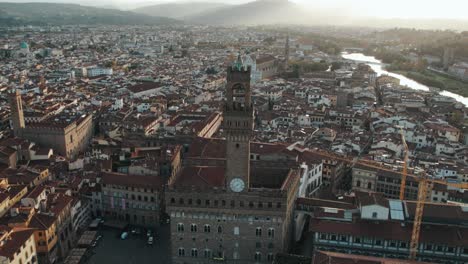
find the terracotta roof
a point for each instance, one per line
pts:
(263, 59)
(42, 221)
(144, 87)
(17, 239)
(132, 180)
(35, 192)
(216, 148)
(439, 212)
(324, 203)
(342, 258)
(437, 234)
(201, 177)
(57, 202)
(369, 198)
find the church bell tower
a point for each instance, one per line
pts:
(17, 116)
(238, 126)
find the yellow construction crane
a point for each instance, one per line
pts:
(418, 215)
(405, 167)
(424, 188)
(423, 192)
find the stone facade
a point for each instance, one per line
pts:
(238, 124)
(224, 210)
(17, 116)
(134, 199)
(67, 138)
(247, 228)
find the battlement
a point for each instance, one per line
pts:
(242, 69)
(242, 74)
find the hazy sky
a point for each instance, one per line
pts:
(391, 8)
(455, 9)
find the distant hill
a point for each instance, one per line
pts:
(69, 14)
(179, 10)
(257, 12)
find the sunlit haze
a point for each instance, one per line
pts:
(448, 9)
(452, 9)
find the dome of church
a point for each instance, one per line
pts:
(24, 45)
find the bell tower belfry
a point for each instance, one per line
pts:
(238, 126)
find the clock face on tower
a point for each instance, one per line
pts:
(237, 185)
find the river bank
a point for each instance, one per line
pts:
(379, 68)
(438, 81)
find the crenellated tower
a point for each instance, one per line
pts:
(238, 126)
(17, 116)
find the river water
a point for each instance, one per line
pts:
(378, 67)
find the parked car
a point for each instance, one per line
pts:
(150, 240)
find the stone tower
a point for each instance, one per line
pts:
(17, 116)
(286, 54)
(238, 126)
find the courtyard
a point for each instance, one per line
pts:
(133, 250)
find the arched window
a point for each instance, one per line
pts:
(271, 232)
(180, 227)
(193, 227)
(194, 252)
(198, 202)
(207, 253)
(358, 183)
(220, 229)
(258, 256)
(258, 231)
(172, 199)
(181, 252)
(270, 257)
(369, 185)
(207, 228)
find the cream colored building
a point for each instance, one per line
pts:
(17, 246)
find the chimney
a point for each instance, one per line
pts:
(42, 206)
(14, 211)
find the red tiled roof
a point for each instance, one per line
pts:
(17, 239)
(144, 87)
(57, 202)
(394, 231)
(342, 258)
(216, 148)
(42, 221)
(132, 180)
(202, 177)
